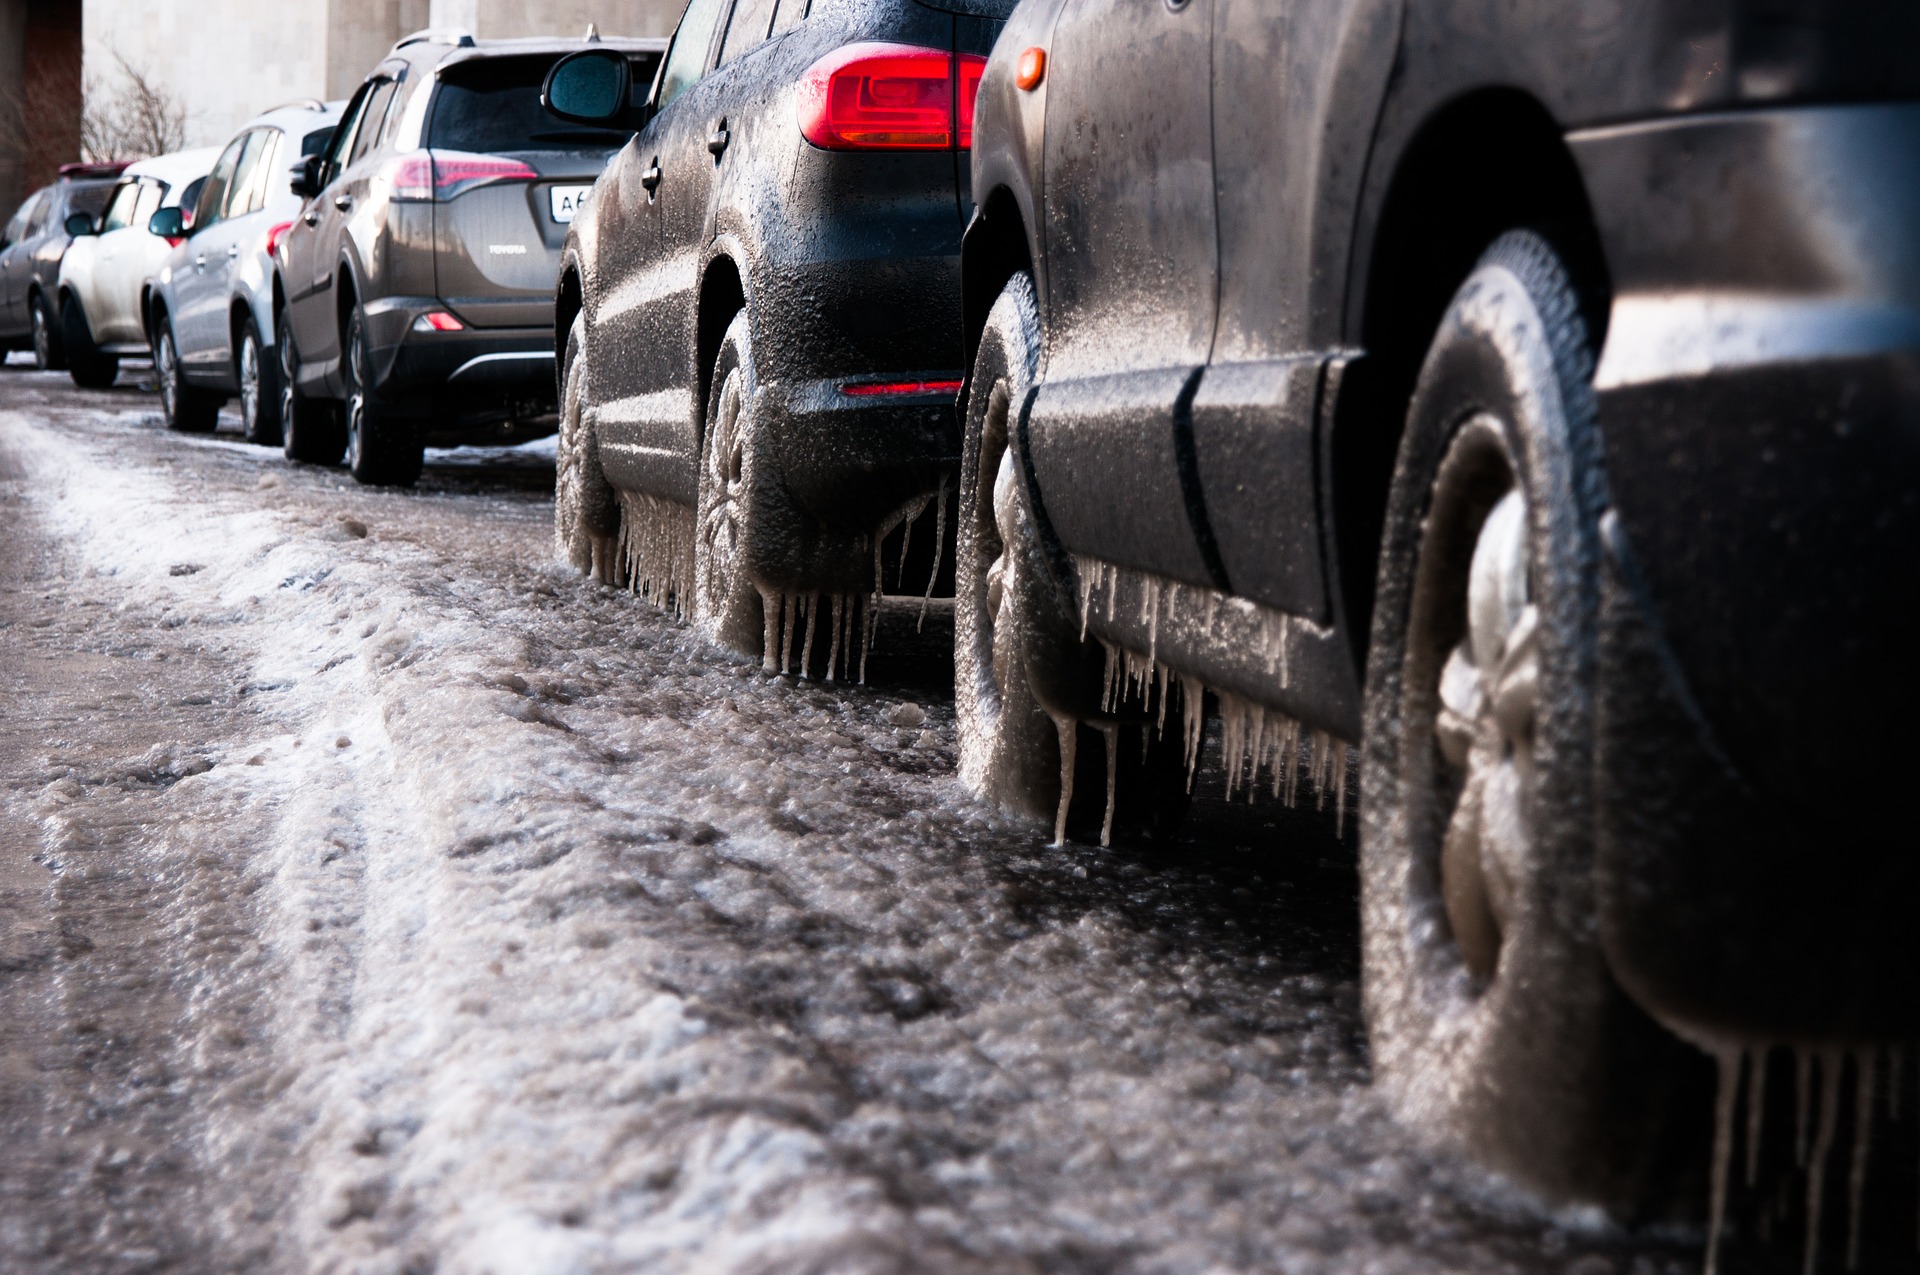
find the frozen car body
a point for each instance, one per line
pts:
(1735, 187)
(846, 263)
(104, 275)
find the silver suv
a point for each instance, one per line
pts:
(209, 311)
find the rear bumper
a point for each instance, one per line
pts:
(1760, 415)
(476, 371)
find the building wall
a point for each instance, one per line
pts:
(227, 60)
(39, 94)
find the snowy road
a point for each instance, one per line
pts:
(376, 895)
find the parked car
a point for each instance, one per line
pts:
(417, 284)
(759, 314)
(208, 312)
(1528, 400)
(105, 271)
(31, 247)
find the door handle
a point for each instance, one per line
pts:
(311, 216)
(343, 202)
(233, 251)
(717, 140)
(651, 177)
(200, 262)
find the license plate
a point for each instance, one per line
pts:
(568, 201)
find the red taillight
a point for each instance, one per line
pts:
(873, 96)
(428, 175)
(438, 321)
(274, 237)
(868, 389)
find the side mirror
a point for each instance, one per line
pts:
(305, 181)
(79, 224)
(169, 224)
(590, 87)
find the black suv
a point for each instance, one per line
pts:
(415, 291)
(759, 313)
(1527, 395)
(30, 250)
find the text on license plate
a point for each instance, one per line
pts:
(568, 200)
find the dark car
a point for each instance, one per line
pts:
(1528, 397)
(416, 287)
(759, 313)
(30, 250)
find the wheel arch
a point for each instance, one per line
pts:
(723, 294)
(569, 299)
(996, 247)
(1482, 163)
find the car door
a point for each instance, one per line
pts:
(1131, 281)
(202, 325)
(1296, 93)
(344, 180)
(193, 288)
(648, 426)
(105, 262)
(15, 266)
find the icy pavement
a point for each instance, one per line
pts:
(380, 896)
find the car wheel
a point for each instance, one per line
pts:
(586, 513)
(726, 604)
(310, 428)
(1495, 1026)
(382, 449)
(87, 364)
(48, 354)
(1014, 631)
(259, 392)
(186, 408)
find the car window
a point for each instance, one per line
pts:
(376, 114)
(692, 41)
(343, 136)
(493, 105)
(747, 28)
(790, 14)
(315, 143)
(19, 227)
(120, 209)
(151, 193)
(213, 195)
(270, 178)
(241, 196)
(89, 199)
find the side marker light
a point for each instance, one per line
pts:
(437, 321)
(1031, 69)
(869, 389)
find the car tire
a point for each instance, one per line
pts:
(586, 512)
(310, 428)
(187, 408)
(1014, 630)
(383, 449)
(49, 353)
(257, 376)
(727, 606)
(1495, 1026)
(90, 367)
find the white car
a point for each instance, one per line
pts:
(110, 260)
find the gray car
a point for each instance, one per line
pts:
(31, 245)
(418, 281)
(209, 311)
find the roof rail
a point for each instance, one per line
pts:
(456, 36)
(305, 103)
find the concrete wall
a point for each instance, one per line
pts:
(226, 60)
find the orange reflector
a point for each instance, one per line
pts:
(1031, 69)
(870, 388)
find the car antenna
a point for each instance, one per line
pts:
(593, 33)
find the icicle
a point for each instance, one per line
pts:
(839, 623)
(806, 648)
(1803, 1103)
(939, 550)
(1830, 1062)
(1112, 732)
(769, 629)
(1340, 792)
(1160, 721)
(656, 546)
(1756, 1110)
(1729, 1059)
(1863, 1069)
(1322, 760)
(1086, 600)
(1067, 730)
(789, 604)
(1193, 722)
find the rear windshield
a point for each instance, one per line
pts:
(88, 197)
(1001, 9)
(494, 105)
